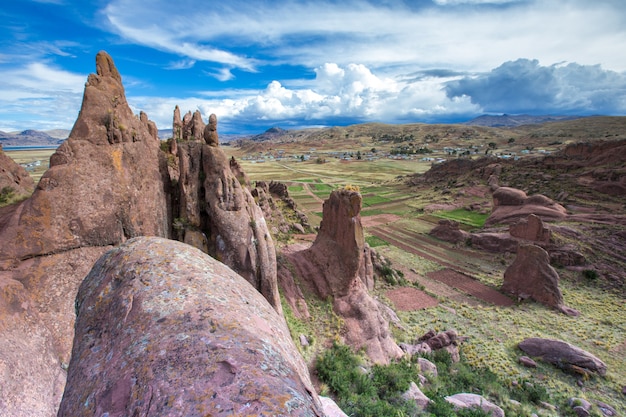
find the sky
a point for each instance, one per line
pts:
(300, 63)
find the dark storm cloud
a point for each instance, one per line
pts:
(524, 86)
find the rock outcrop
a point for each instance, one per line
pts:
(531, 228)
(465, 400)
(14, 180)
(333, 266)
(531, 276)
(563, 355)
(217, 213)
(157, 334)
(105, 185)
(449, 231)
(511, 204)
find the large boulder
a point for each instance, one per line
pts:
(449, 231)
(511, 204)
(162, 329)
(531, 228)
(532, 276)
(563, 355)
(465, 400)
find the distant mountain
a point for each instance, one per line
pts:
(508, 120)
(33, 138)
(269, 134)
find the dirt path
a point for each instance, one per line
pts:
(307, 189)
(470, 286)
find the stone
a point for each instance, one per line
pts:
(336, 266)
(330, 407)
(427, 367)
(304, 341)
(210, 132)
(563, 355)
(511, 204)
(14, 179)
(415, 394)
(464, 400)
(177, 126)
(105, 185)
(579, 402)
(532, 276)
(449, 231)
(531, 228)
(157, 334)
(581, 411)
(212, 200)
(606, 409)
(527, 362)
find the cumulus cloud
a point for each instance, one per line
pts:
(338, 93)
(525, 86)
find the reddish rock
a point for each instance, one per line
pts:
(210, 132)
(531, 228)
(332, 267)
(449, 231)
(563, 354)
(465, 400)
(105, 185)
(527, 362)
(511, 204)
(214, 202)
(14, 179)
(157, 334)
(177, 126)
(494, 242)
(531, 276)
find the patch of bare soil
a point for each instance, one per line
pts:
(470, 286)
(377, 220)
(410, 299)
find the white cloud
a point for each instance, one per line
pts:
(477, 37)
(338, 92)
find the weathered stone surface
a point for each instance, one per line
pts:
(157, 334)
(177, 125)
(15, 177)
(331, 409)
(511, 204)
(531, 276)
(494, 242)
(332, 267)
(465, 400)
(415, 394)
(527, 362)
(110, 156)
(105, 185)
(449, 231)
(210, 132)
(563, 354)
(213, 201)
(531, 228)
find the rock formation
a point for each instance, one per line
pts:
(217, 213)
(333, 266)
(511, 204)
(466, 400)
(563, 354)
(14, 180)
(104, 186)
(531, 276)
(157, 335)
(531, 228)
(449, 231)
(210, 132)
(177, 126)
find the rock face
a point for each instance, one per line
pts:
(14, 179)
(333, 266)
(157, 334)
(531, 228)
(511, 204)
(563, 354)
(105, 185)
(210, 132)
(217, 213)
(449, 231)
(531, 276)
(465, 400)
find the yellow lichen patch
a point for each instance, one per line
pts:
(116, 156)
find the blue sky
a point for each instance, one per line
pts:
(296, 63)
